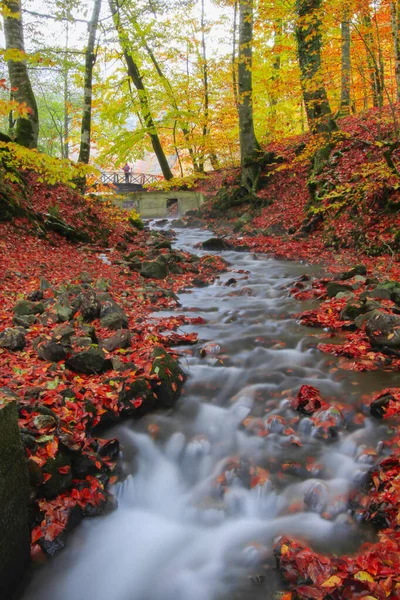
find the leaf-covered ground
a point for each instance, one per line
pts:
(79, 346)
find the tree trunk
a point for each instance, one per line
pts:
(206, 90)
(234, 66)
(168, 88)
(249, 146)
(395, 13)
(345, 98)
(27, 128)
(276, 73)
(374, 67)
(90, 59)
(144, 101)
(309, 43)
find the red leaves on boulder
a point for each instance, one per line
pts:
(308, 400)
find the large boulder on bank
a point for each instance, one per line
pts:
(112, 316)
(357, 270)
(216, 244)
(137, 391)
(88, 361)
(154, 270)
(14, 495)
(333, 288)
(383, 329)
(12, 338)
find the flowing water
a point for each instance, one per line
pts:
(192, 522)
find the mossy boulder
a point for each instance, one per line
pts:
(12, 338)
(154, 270)
(58, 482)
(216, 244)
(170, 377)
(383, 329)
(88, 361)
(137, 389)
(14, 497)
(27, 307)
(352, 310)
(357, 270)
(333, 288)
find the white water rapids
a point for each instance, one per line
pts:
(181, 534)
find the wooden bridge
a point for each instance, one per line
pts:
(127, 182)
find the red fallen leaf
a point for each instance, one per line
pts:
(52, 448)
(98, 464)
(138, 402)
(52, 531)
(64, 470)
(306, 592)
(36, 534)
(147, 367)
(174, 386)
(46, 477)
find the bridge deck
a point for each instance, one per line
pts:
(127, 182)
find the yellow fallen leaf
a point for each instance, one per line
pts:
(363, 576)
(332, 581)
(284, 549)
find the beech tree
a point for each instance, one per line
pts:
(395, 17)
(309, 47)
(249, 146)
(144, 99)
(27, 125)
(90, 59)
(345, 99)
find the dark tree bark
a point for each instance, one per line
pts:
(345, 98)
(26, 128)
(90, 59)
(144, 100)
(309, 44)
(395, 13)
(249, 146)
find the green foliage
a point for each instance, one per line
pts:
(16, 158)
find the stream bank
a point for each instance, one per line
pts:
(270, 437)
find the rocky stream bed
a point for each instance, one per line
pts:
(272, 440)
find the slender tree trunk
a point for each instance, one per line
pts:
(276, 73)
(168, 88)
(144, 100)
(234, 64)
(249, 146)
(373, 63)
(309, 44)
(27, 128)
(345, 98)
(90, 59)
(206, 90)
(395, 13)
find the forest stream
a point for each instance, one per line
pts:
(204, 494)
